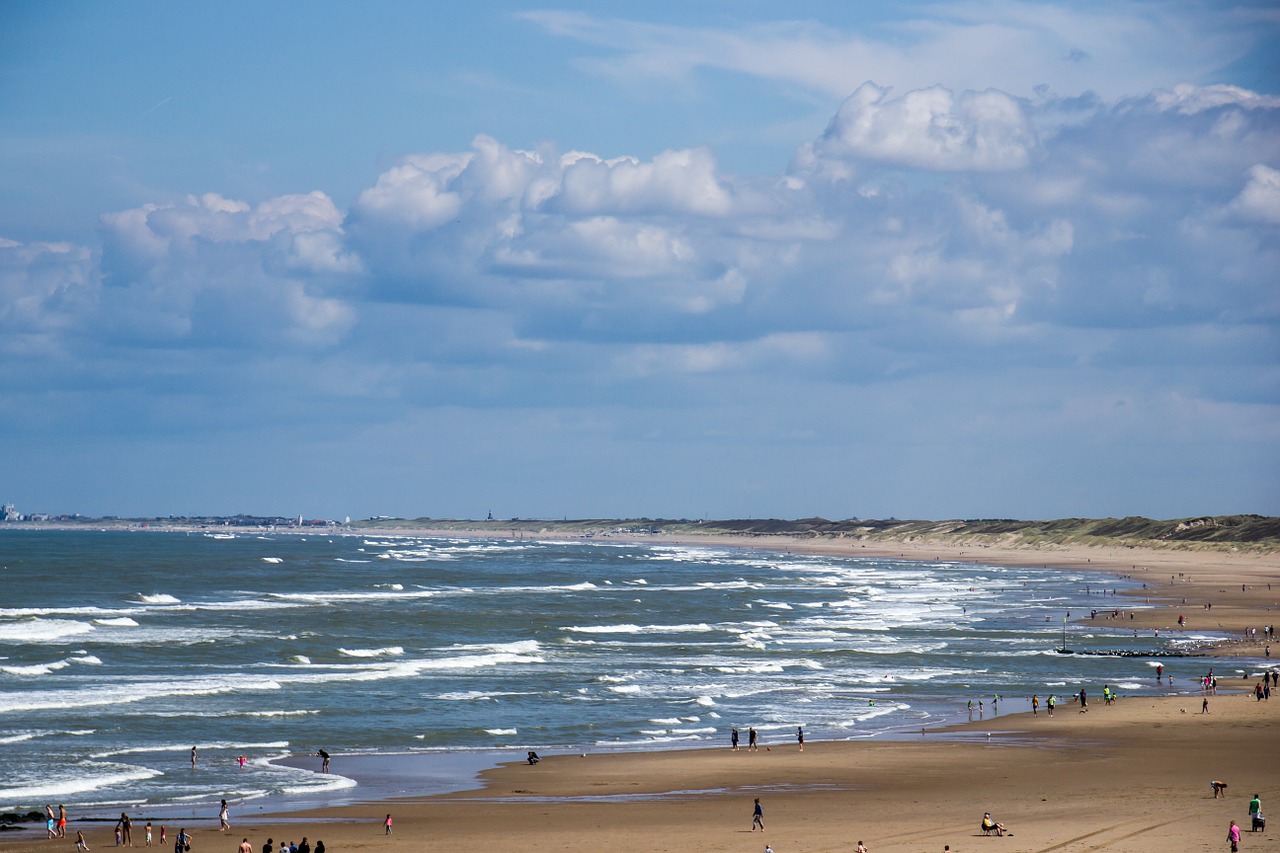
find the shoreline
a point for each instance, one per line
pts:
(666, 798)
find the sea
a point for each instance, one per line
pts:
(416, 661)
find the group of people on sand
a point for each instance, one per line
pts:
(753, 739)
(269, 846)
(56, 824)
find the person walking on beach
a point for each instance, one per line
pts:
(50, 822)
(224, 821)
(757, 817)
(1051, 702)
(62, 821)
(386, 825)
(270, 846)
(181, 841)
(126, 829)
(245, 846)
(81, 844)
(1233, 836)
(733, 738)
(752, 739)
(1035, 705)
(1255, 809)
(800, 736)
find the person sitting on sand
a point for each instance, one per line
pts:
(533, 757)
(989, 824)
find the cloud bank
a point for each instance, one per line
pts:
(941, 273)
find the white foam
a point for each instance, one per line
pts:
(118, 622)
(186, 748)
(372, 653)
(158, 598)
(54, 788)
(499, 732)
(37, 668)
(272, 560)
(300, 659)
(42, 630)
(640, 629)
(465, 696)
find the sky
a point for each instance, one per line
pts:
(675, 259)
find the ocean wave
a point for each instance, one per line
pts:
(272, 560)
(372, 653)
(518, 647)
(118, 622)
(57, 787)
(640, 629)
(158, 598)
(465, 696)
(308, 598)
(42, 630)
(185, 747)
(500, 732)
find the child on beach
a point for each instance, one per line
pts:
(148, 833)
(81, 844)
(386, 824)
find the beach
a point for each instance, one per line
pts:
(1131, 776)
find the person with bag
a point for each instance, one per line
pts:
(181, 841)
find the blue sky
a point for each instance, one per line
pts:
(722, 259)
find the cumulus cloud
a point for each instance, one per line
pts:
(213, 269)
(932, 129)
(46, 290)
(1260, 198)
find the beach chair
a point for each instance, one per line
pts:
(1259, 823)
(989, 827)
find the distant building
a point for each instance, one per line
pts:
(10, 514)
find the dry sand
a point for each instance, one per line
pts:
(1133, 776)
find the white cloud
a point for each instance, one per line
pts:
(45, 291)
(1070, 48)
(673, 182)
(1260, 198)
(931, 129)
(214, 269)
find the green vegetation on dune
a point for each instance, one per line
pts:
(1252, 532)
